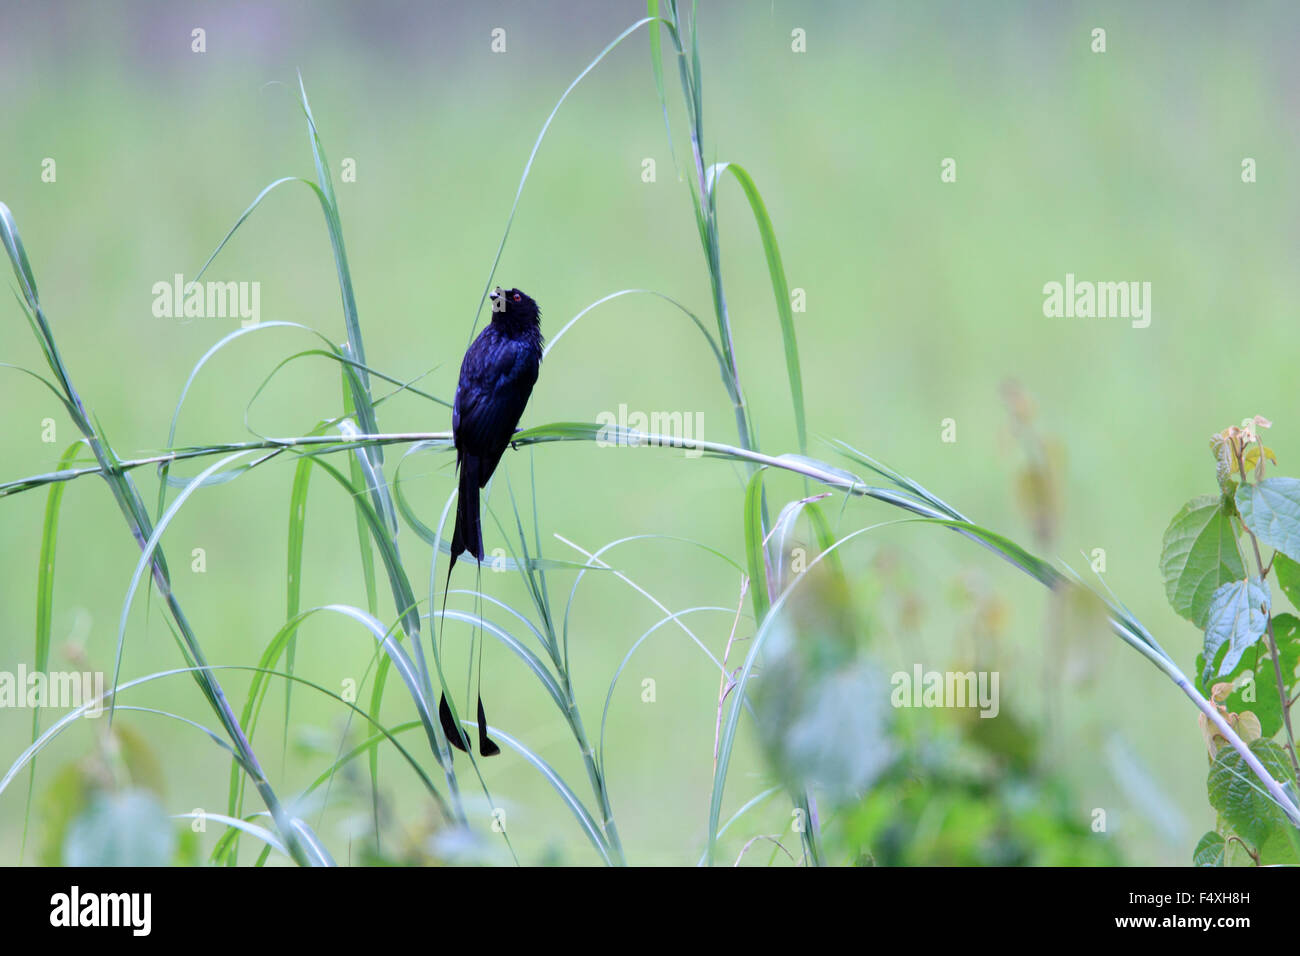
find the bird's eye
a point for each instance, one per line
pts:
(516, 296)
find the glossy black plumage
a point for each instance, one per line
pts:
(496, 378)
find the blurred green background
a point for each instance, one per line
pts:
(923, 299)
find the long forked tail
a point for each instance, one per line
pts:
(466, 536)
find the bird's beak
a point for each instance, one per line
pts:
(495, 294)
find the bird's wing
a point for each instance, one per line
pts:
(495, 382)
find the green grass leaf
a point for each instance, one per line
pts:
(45, 605)
(780, 288)
(571, 801)
(528, 166)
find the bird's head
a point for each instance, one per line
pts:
(514, 308)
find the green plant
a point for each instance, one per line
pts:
(538, 635)
(1216, 577)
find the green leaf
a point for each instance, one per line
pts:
(1259, 695)
(1207, 673)
(362, 400)
(1209, 850)
(1271, 509)
(1241, 800)
(1199, 556)
(1262, 689)
(657, 62)
(780, 287)
(357, 471)
(45, 603)
(293, 579)
(1238, 617)
(755, 552)
(1288, 577)
(780, 545)
(1286, 631)
(1279, 848)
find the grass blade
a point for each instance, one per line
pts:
(45, 613)
(780, 288)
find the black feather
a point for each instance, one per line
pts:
(496, 378)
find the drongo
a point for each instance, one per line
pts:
(496, 378)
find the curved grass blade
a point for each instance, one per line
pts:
(45, 613)
(576, 807)
(618, 672)
(263, 834)
(403, 597)
(657, 64)
(265, 669)
(780, 287)
(517, 647)
(528, 166)
(293, 577)
(146, 560)
(357, 472)
(324, 187)
(244, 215)
(727, 740)
(137, 517)
(708, 337)
(749, 805)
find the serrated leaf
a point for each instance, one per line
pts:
(1238, 617)
(1240, 798)
(1271, 509)
(1209, 850)
(1199, 556)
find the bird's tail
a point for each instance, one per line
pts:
(468, 532)
(466, 536)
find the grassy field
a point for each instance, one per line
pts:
(924, 298)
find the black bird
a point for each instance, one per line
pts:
(496, 378)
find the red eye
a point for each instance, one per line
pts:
(516, 296)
